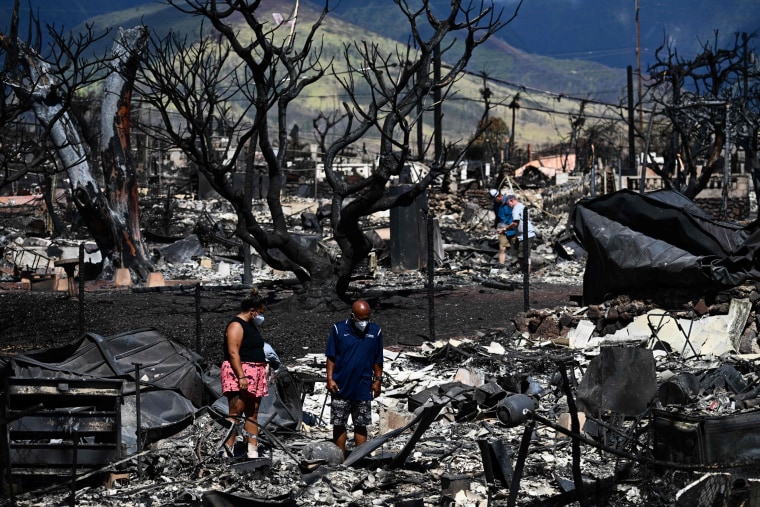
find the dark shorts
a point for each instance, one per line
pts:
(359, 410)
(520, 245)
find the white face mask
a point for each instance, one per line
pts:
(361, 325)
(258, 320)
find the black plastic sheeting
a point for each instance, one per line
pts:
(641, 243)
(175, 384)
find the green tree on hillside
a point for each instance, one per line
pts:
(491, 142)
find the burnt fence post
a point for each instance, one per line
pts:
(525, 264)
(431, 275)
(81, 288)
(198, 318)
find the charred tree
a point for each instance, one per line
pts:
(123, 216)
(263, 68)
(398, 83)
(112, 217)
(703, 100)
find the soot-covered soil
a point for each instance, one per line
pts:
(38, 320)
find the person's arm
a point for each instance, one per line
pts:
(234, 341)
(377, 380)
(271, 356)
(377, 367)
(331, 352)
(332, 387)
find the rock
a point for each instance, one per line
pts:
(323, 451)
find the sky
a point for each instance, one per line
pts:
(603, 31)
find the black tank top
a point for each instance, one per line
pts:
(252, 346)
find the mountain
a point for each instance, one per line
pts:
(550, 50)
(600, 31)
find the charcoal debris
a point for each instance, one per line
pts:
(645, 396)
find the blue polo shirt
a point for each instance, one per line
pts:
(355, 355)
(503, 215)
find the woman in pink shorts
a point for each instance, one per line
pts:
(244, 369)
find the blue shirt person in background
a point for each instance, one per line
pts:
(502, 218)
(354, 373)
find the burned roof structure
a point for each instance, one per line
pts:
(642, 243)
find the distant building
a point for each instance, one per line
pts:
(545, 171)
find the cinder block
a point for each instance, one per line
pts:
(393, 418)
(61, 283)
(565, 421)
(123, 278)
(156, 279)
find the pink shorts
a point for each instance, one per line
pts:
(256, 373)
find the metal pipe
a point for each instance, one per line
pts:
(138, 416)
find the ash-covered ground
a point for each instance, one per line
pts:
(33, 320)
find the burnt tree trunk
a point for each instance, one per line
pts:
(114, 224)
(116, 153)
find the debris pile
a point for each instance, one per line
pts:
(645, 401)
(503, 417)
(200, 246)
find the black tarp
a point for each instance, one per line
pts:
(641, 243)
(175, 383)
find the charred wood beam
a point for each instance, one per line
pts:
(428, 416)
(575, 426)
(522, 454)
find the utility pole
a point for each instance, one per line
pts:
(633, 166)
(437, 112)
(638, 64)
(514, 106)
(485, 92)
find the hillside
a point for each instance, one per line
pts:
(539, 121)
(599, 31)
(542, 119)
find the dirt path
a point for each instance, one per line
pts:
(35, 320)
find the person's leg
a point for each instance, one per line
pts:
(517, 250)
(252, 404)
(360, 435)
(339, 437)
(339, 411)
(503, 245)
(361, 414)
(235, 404)
(236, 409)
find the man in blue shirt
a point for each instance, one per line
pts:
(502, 218)
(354, 373)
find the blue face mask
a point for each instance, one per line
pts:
(361, 325)
(258, 320)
